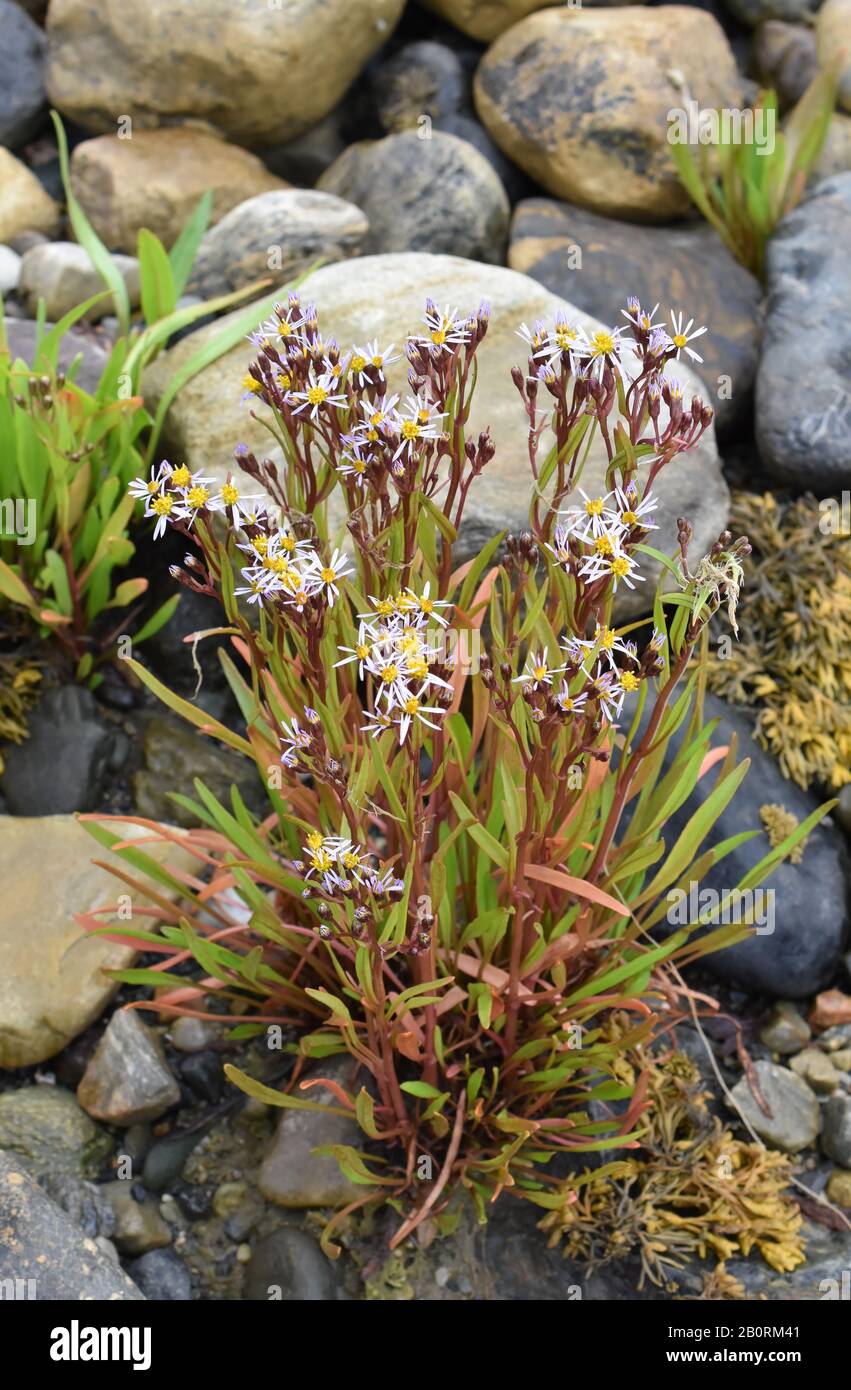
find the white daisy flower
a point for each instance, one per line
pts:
(327, 577)
(537, 671)
(143, 488)
(162, 506)
(422, 421)
(320, 392)
(683, 335)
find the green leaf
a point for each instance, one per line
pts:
(277, 1098)
(156, 279)
(185, 249)
(88, 238)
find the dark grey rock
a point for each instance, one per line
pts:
(421, 79)
(754, 11)
(46, 1131)
(794, 1120)
(162, 1276)
(434, 194)
(803, 400)
(303, 160)
(784, 57)
(596, 263)
(836, 1130)
(809, 906)
(23, 104)
(128, 1080)
(91, 350)
(288, 1266)
(48, 1248)
(83, 1201)
(174, 757)
(61, 767)
(170, 658)
(164, 1163)
(290, 1173)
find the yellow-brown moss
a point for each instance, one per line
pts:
(693, 1192)
(793, 660)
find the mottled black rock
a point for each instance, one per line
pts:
(195, 1199)
(49, 1249)
(62, 766)
(202, 1072)
(809, 904)
(288, 1266)
(424, 191)
(596, 262)
(803, 386)
(23, 104)
(162, 1276)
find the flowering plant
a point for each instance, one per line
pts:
(464, 856)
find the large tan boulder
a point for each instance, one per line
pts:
(24, 204)
(485, 19)
(385, 299)
(52, 984)
(260, 72)
(582, 99)
(156, 179)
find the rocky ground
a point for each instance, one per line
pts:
(508, 150)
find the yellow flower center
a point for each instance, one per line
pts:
(162, 505)
(390, 674)
(314, 839)
(539, 672)
(316, 395)
(230, 494)
(619, 566)
(328, 575)
(438, 336)
(594, 507)
(358, 363)
(679, 340)
(629, 518)
(197, 496)
(629, 681)
(361, 652)
(412, 705)
(603, 545)
(181, 476)
(251, 384)
(602, 343)
(410, 429)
